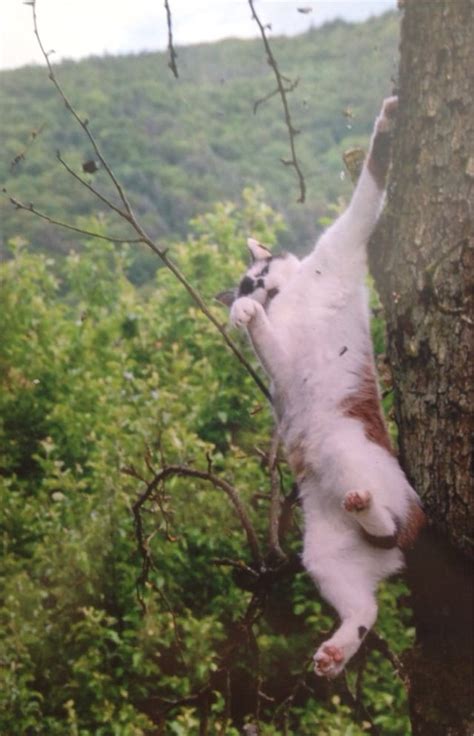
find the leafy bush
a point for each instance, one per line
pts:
(101, 383)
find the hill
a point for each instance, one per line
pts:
(180, 145)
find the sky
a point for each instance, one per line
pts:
(78, 28)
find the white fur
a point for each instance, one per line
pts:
(299, 337)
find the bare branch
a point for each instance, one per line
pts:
(292, 131)
(81, 231)
(360, 711)
(377, 642)
(184, 471)
(83, 123)
(173, 55)
(275, 92)
(89, 186)
(286, 513)
(275, 500)
(34, 135)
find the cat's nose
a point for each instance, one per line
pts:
(247, 286)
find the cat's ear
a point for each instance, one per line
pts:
(226, 297)
(258, 251)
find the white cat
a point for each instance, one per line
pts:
(308, 321)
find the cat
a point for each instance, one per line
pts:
(308, 322)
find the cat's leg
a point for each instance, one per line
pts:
(357, 608)
(346, 583)
(247, 312)
(375, 518)
(367, 198)
(354, 227)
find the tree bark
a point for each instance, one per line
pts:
(422, 259)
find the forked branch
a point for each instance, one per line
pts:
(184, 471)
(283, 92)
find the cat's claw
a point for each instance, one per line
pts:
(243, 311)
(384, 122)
(357, 501)
(328, 661)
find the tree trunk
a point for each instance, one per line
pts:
(422, 259)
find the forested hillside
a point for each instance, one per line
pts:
(180, 145)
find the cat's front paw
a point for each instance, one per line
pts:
(380, 148)
(243, 311)
(385, 121)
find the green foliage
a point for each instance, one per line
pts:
(98, 376)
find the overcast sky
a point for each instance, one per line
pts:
(77, 28)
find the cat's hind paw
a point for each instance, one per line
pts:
(356, 501)
(243, 311)
(329, 661)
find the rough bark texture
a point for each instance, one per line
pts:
(422, 259)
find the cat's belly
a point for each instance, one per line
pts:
(331, 455)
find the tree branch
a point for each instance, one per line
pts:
(173, 55)
(83, 123)
(292, 131)
(275, 92)
(275, 500)
(186, 472)
(43, 216)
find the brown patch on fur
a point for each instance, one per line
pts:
(379, 158)
(364, 405)
(389, 541)
(296, 461)
(412, 525)
(406, 533)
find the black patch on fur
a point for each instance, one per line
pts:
(271, 293)
(362, 630)
(318, 272)
(265, 270)
(260, 283)
(247, 286)
(343, 350)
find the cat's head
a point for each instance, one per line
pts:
(265, 277)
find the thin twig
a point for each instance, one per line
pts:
(375, 641)
(83, 123)
(275, 500)
(275, 92)
(173, 55)
(43, 216)
(34, 135)
(89, 186)
(287, 702)
(287, 506)
(292, 131)
(360, 711)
